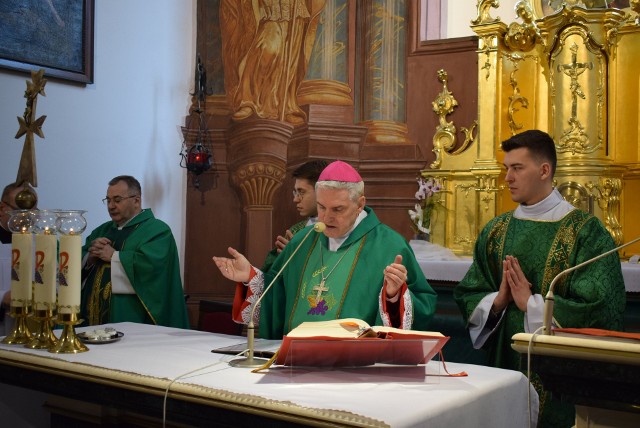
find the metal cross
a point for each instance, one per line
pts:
(573, 70)
(320, 288)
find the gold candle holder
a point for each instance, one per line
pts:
(21, 333)
(68, 342)
(43, 337)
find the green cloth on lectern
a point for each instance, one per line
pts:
(592, 296)
(149, 255)
(375, 246)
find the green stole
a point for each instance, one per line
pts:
(316, 301)
(96, 293)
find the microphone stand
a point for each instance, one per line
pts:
(549, 298)
(249, 361)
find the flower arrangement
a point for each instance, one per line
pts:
(421, 217)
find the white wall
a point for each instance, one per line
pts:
(127, 122)
(458, 15)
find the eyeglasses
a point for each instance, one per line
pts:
(299, 193)
(116, 199)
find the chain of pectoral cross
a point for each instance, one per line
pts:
(320, 288)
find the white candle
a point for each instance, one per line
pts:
(44, 289)
(69, 274)
(21, 268)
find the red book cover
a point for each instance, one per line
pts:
(352, 343)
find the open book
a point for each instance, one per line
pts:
(352, 342)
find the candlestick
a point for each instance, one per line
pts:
(69, 274)
(21, 268)
(69, 342)
(44, 290)
(70, 224)
(20, 224)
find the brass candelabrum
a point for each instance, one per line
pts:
(43, 337)
(20, 334)
(68, 342)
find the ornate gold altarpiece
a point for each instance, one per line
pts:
(573, 74)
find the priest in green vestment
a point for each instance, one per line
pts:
(304, 196)
(131, 270)
(517, 255)
(357, 268)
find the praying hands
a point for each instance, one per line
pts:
(514, 286)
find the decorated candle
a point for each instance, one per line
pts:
(70, 225)
(69, 268)
(44, 288)
(21, 268)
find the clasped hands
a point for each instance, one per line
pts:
(238, 269)
(100, 249)
(514, 286)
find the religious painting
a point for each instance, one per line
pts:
(54, 35)
(547, 7)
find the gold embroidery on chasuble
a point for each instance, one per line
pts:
(99, 299)
(98, 295)
(324, 283)
(496, 246)
(563, 244)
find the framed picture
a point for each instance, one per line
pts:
(543, 8)
(55, 35)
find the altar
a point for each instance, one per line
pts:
(134, 373)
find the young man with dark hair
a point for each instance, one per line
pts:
(304, 196)
(517, 255)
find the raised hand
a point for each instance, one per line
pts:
(237, 268)
(395, 275)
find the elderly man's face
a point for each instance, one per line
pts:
(337, 210)
(123, 203)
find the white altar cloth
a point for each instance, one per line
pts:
(397, 397)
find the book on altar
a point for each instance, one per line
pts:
(351, 342)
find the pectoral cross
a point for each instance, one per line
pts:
(320, 288)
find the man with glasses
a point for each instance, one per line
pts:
(131, 270)
(357, 267)
(304, 196)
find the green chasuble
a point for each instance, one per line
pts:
(149, 255)
(354, 286)
(592, 296)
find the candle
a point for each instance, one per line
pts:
(69, 274)
(21, 268)
(44, 289)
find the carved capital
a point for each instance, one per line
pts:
(258, 182)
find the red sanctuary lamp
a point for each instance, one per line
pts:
(196, 156)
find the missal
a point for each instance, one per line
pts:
(351, 342)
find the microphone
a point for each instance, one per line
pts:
(549, 298)
(249, 361)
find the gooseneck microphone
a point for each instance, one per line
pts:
(249, 361)
(549, 298)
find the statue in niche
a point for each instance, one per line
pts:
(266, 46)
